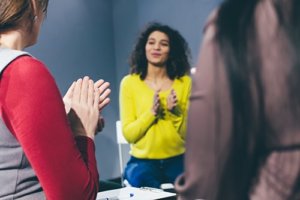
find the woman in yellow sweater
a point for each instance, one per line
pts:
(153, 106)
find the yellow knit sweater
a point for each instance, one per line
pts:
(153, 137)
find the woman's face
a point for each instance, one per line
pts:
(157, 48)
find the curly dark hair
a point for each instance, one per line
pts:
(178, 63)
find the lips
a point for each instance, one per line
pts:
(156, 54)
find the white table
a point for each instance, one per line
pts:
(132, 193)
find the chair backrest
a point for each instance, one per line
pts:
(120, 140)
(120, 136)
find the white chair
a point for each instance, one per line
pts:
(121, 141)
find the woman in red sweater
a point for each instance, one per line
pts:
(43, 153)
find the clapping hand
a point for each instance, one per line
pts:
(101, 89)
(156, 103)
(83, 105)
(172, 101)
(100, 85)
(104, 91)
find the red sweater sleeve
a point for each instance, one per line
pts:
(33, 110)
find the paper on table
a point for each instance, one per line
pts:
(132, 193)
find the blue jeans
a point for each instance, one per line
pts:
(153, 172)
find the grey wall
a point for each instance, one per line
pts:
(95, 38)
(77, 40)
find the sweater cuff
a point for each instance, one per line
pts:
(148, 118)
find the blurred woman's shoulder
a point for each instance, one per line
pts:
(211, 20)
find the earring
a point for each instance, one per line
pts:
(35, 18)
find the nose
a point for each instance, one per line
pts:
(156, 46)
